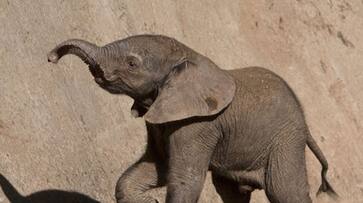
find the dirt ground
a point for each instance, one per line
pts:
(60, 132)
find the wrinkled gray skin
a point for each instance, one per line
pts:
(244, 125)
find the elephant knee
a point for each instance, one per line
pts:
(128, 191)
(124, 190)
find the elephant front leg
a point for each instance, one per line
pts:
(142, 176)
(188, 165)
(185, 188)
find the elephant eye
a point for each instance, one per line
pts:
(132, 62)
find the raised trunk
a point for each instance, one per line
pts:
(83, 49)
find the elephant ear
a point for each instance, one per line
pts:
(197, 88)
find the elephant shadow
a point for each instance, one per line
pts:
(45, 196)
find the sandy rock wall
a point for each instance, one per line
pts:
(59, 131)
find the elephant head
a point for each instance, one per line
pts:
(167, 80)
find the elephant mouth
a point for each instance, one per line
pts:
(109, 87)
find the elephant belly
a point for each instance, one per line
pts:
(242, 160)
(254, 179)
(242, 152)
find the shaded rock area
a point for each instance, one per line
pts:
(60, 133)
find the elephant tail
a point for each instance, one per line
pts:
(10, 192)
(325, 185)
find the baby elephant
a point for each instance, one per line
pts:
(245, 125)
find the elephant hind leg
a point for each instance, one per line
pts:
(230, 191)
(286, 177)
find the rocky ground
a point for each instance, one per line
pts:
(60, 132)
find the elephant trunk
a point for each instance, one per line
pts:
(83, 49)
